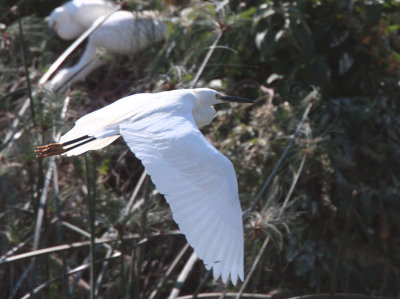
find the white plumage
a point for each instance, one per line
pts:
(74, 17)
(198, 182)
(123, 32)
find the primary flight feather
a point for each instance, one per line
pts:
(198, 182)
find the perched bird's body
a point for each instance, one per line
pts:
(124, 32)
(198, 182)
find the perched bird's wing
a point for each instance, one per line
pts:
(85, 12)
(125, 32)
(198, 182)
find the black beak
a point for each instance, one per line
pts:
(236, 99)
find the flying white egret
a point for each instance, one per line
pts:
(72, 18)
(198, 182)
(124, 32)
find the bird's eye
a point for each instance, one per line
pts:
(218, 96)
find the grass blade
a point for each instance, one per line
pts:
(171, 268)
(228, 295)
(206, 59)
(91, 186)
(78, 269)
(60, 233)
(28, 80)
(182, 276)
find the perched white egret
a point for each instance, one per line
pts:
(124, 32)
(72, 18)
(198, 182)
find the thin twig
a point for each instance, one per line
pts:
(128, 209)
(175, 262)
(138, 253)
(182, 276)
(53, 249)
(28, 80)
(87, 235)
(294, 183)
(229, 295)
(122, 264)
(15, 249)
(206, 59)
(92, 217)
(253, 267)
(20, 281)
(69, 246)
(224, 292)
(110, 249)
(109, 254)
(73, 271)
(77, 279)
(42, 204)
(202, 283)
(60, 232)
(14, 133)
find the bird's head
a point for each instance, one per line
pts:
(207, 96)
(58, 13)
(60, 21)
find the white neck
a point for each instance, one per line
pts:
(203, 115)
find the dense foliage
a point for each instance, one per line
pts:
(336, 231)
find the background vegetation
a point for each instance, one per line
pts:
(327, 221)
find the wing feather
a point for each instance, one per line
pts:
(228, 266)
(198, 182)
(86, 12)
(213, 244)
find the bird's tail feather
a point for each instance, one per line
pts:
(90, 144)
(75, 146)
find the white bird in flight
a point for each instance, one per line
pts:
(198, 182)
(124, 32)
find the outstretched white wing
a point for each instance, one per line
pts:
(198, 182)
